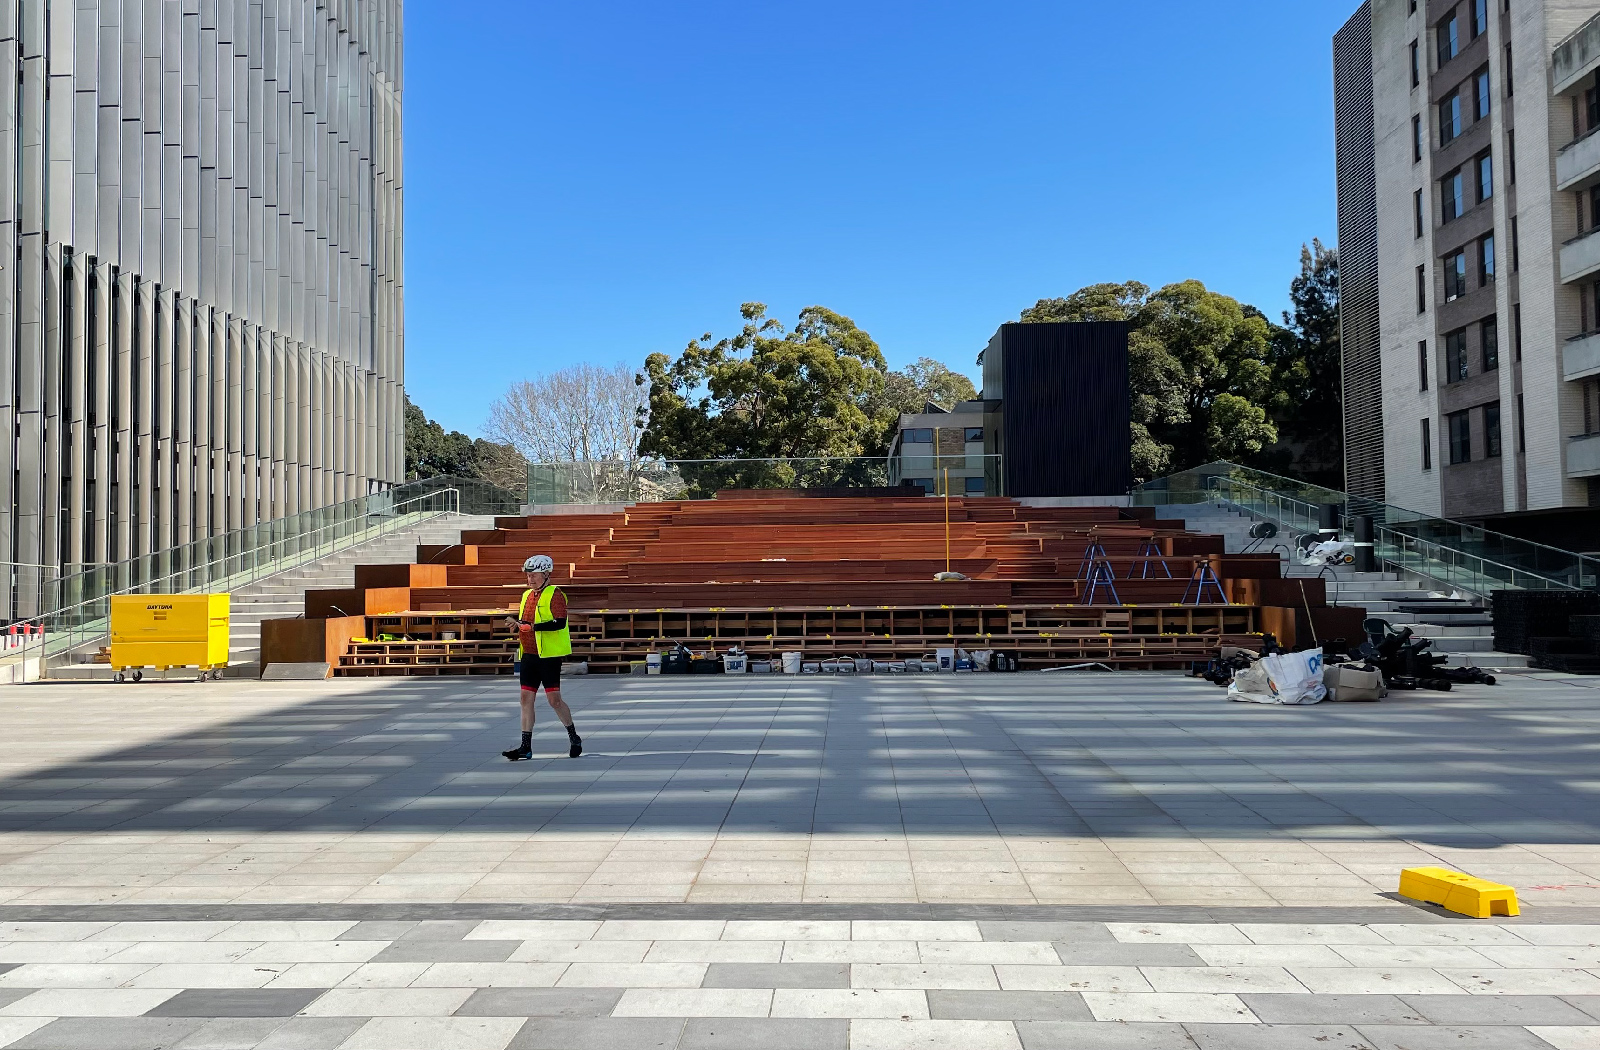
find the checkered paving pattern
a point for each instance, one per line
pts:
(865, 984)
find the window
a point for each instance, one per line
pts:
(1591, 101)
(919, 437)
(1516, 329)
(1449, 119)
(1416, 139)
(1491, 430)
(1460, 437)
(1485, 178)
(1482, 101)
(1427, 446)
(1455, 276)
(974, 486)
(1422, 289)
(1522, 438)
(1480, 18)
(1416, 204)
(1510, 89)
(1450, 203)
(974, 434)
(1485, 259)
(1515, 253)
(1422, 362)
(1455, 356)
(1489, 343)
(1416, 64)
(925, 484)
(1511, 158)
(1449, 40)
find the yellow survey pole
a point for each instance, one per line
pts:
(946, 519)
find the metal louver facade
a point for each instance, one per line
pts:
(1360, 332)
(201, 307)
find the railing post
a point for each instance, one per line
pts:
(1365, 555)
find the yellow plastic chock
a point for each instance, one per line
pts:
(1457, 892)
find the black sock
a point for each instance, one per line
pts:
(572, 732)
(527, 739)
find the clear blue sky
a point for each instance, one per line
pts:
(595, 181)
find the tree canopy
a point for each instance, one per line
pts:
(911, 388)
(1198, 369)
(1307, 374)
(431, 451)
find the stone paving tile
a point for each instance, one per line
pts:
(489, 975)
(1072, 978)
(1589, 1004)
(1358, 980)
(1066, 932)
(1277, 1037)
(1182, 1007)
(1569, 1037)
(14, 1028)
(877, 1034)
(701, 1033)
(851, 951)
(428, 950)
(604, 1033)
(694, 1002)
(1292, 1009)
(777, 975)
(104, 1033)
(388, 1002)
(1455, 1037)
(1524, 982)
(1074, 1035)
(230, 1033)
(434, 1033)
(236, 1002)
(896, 975)
(1220, 979)
(633, 975)
(11, 995)
(1007, 1006)
(1496, 1009)
(850, 1002)
(710, 951)
(88, 1002)
(540, 1002)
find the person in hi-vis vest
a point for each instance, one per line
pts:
(543, 642)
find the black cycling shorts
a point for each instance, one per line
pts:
(537, 671)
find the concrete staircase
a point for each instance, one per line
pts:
(283, 596)
(1460, 626)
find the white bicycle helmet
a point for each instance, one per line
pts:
(539, 563)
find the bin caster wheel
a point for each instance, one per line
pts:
(138, 676)
(216, 675)
(119, 677)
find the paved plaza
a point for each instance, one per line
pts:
(1072, 860)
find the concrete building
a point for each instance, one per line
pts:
(200, 268)
(1469, 187)
(939, 439)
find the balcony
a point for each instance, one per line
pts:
(1583, 456)
(1580, 357)
(1578, 161)
(1580, 257)
(1576, 57)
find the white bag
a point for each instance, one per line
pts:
(1294, 678)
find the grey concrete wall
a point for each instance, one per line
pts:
(203, 326)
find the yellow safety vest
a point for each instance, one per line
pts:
(551, 643)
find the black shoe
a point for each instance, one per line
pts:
(518, 754)
(577, 747)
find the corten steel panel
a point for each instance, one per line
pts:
(1065, 411)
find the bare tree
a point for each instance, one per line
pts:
(587, 416)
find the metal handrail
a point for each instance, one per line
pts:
(68, 633)
(1509, 576)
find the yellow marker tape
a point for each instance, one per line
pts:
(1458, 892)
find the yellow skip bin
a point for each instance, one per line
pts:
(1458, 892)
(169, 630)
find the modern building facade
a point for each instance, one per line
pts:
(201, 306)
(1469, 180)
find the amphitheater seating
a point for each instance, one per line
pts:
(850, 576)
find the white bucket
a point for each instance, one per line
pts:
(652, 663)
(791, 663)
(732, 664)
